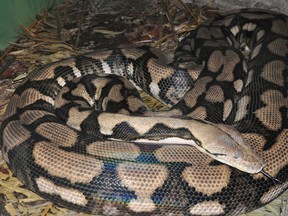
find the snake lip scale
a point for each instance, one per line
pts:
(77, 133)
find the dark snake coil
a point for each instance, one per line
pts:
(85, 140)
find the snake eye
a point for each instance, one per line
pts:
(237, 155)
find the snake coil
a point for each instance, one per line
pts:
(77, 133)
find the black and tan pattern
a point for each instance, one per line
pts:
(77, 133)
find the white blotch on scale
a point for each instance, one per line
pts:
(61, 81)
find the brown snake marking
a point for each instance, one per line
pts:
(86, 141)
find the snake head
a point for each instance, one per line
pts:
(227, 145)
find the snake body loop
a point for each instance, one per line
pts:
(77, 133)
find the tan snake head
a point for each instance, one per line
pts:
(225, 144)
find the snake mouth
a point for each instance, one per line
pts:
(273, 179)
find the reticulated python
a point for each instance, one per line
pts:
(77, 133)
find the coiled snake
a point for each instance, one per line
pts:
(77, 133)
